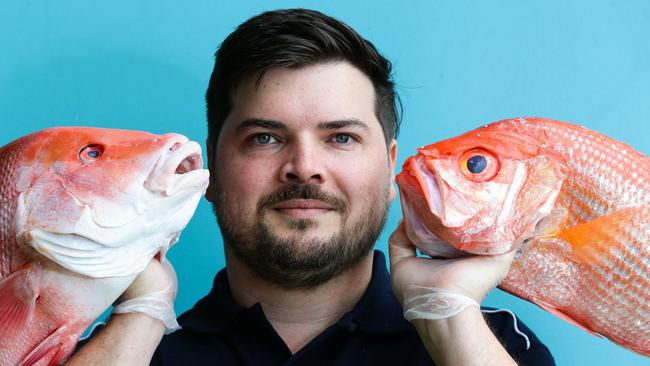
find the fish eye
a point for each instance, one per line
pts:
(476, 164)
(91, 152)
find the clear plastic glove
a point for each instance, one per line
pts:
(152, 293)
(434, 303)
(438, 288)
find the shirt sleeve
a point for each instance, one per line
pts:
(156, 360)
(513, 335)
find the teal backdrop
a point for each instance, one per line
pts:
(458, 64)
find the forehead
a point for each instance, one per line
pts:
(306, 96)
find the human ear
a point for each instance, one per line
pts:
(209, 193)
(392, 161)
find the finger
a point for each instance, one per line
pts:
(494, 267)
(505, 261)
(171, 273)
(399, 246)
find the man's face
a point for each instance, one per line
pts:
(302, 174)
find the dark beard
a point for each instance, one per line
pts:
(285, 262)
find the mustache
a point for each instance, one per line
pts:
(301, 191)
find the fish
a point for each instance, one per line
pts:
(572, 203)
(83, 211)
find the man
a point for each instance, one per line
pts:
(302, 151)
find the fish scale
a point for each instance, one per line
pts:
(588, 259)
(600, 306)
(609, 310)
(8, 194)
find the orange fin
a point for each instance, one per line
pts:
(592, 240)
(555, 311)
(17, 300)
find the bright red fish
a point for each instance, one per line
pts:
(83, 210)
(573, 202)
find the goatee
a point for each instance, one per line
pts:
(298, 261)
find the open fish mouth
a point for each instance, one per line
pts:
(180, 167)
(190, 163)
(183, 157)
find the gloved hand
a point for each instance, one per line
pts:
(439, 288)
(152, 293)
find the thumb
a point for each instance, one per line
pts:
(399, 246)
(171, 276)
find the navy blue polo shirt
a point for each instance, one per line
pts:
(217, 331)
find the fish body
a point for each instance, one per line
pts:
(83, 210)
(574, 203)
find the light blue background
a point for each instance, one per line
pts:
(145, 65)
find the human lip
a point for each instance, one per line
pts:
(303, 207)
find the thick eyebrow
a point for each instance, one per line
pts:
(345, 123)
(258, 122)
(277, 125)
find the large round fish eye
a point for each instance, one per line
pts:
(478, 165)
(91, 152)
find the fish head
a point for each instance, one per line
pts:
(92, 192)
(482, 192)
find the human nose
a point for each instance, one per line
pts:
(303, 164)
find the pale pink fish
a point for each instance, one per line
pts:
(83, 211)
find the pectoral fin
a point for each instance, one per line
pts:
(53, 349)
(593, 241)
(17, 300)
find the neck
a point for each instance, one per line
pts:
(299, 315)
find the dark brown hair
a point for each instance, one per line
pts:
(295, 38)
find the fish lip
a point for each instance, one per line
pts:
(432, 186)
(179, 167)
(184, 159)
(190, 163)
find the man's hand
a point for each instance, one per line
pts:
(459, 337)
(472, 276)
(155, 277)
(152, 293)
(130, 337)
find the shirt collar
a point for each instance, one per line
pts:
(378, 311)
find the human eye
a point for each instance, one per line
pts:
(263, 139)
(343, 139)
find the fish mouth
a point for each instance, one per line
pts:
(190, 163)
(430, 185)
(180, 167)
(189, 154)
(439, 192)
